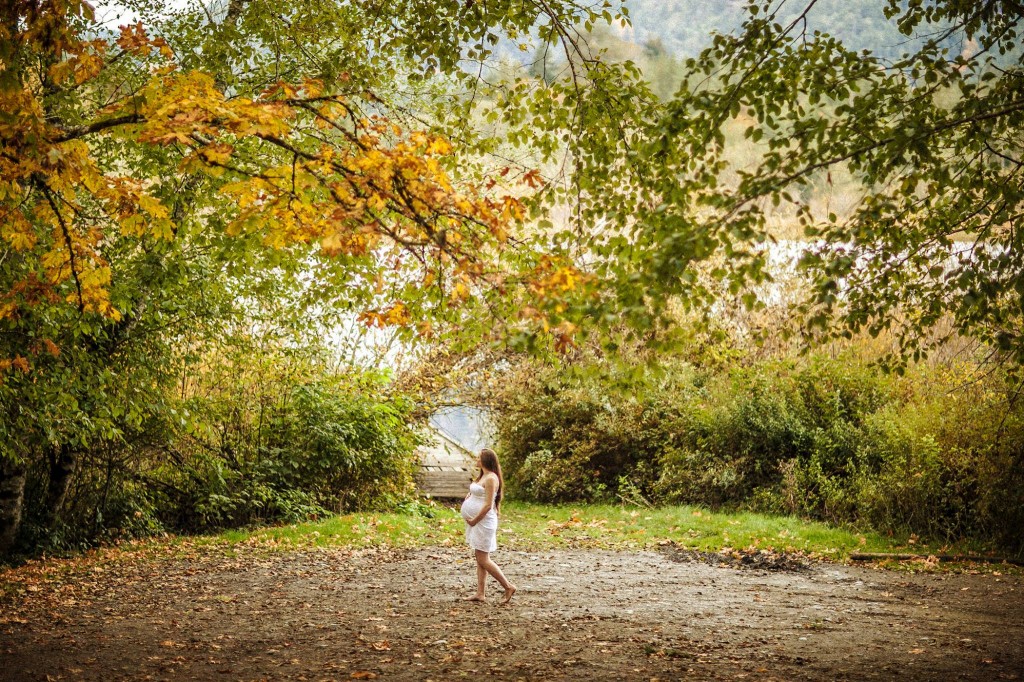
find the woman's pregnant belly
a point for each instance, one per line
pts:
(471, 507)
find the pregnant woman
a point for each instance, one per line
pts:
(480, 510)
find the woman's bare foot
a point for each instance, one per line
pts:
(475, 597)
(509, 591)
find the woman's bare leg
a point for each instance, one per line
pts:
(483, 559)
(481, 576)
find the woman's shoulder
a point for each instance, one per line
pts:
(489, 477)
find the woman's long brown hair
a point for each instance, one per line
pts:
(489, 462)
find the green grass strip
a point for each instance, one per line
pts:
(534, 527)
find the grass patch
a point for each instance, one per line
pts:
(524, 527)
(619, 527)
(395, 529)
(534, 527)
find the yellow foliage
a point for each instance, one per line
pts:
(133, 225)
(152, 206)
(439, 146)
(460, 291)
(51, 348)
(394, 315)
(16, 231)
(356, 185)
(217, 153)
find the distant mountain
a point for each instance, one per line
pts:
(684, 27)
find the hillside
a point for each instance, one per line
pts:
(685, 27)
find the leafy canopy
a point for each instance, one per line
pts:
(358, 133)
(765, 124)
(306, 126)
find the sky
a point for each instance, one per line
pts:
(110, 15)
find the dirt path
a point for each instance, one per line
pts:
(579, 614)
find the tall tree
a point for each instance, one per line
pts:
(931, 143)
(154, 177)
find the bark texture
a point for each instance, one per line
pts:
(12, 496)
(62, 467)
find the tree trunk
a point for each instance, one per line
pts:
(12, 494)
(62, 466)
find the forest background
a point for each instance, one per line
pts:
(250, 248)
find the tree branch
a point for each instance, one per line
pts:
(97, 126)
(785, 180)
(67, 240)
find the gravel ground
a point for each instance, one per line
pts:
(578, 615)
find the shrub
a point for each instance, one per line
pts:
(582, 443)
(260, 448)
(322, 447)
(937, 452)
(349, 450)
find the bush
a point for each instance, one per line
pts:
(274, 442)
(322, 448)
(946, 465)
(934, 453)
(350, 450)
(582, 444)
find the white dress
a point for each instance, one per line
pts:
(484, 535)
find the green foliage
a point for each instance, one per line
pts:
(283, 440)
(354, 450)
(566, 443)
(883, 137)
(686, 27)
(930, 140)
(945, 464)
(257, 436)
(936, 453)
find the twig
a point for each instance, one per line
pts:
(67, 240)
